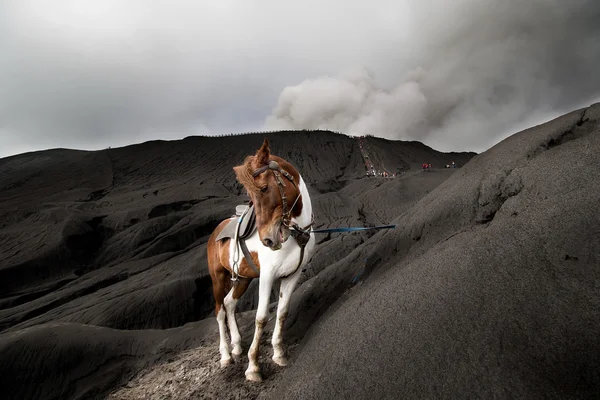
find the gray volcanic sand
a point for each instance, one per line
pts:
(488, 287)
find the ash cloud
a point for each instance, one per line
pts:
(477, 73)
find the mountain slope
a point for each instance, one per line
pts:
(107, 250)
(489, 288)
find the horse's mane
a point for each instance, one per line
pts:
(244, 175)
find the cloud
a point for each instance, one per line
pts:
(479, 70)
(351, 102)
(93, 74)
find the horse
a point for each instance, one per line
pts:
(278, 249)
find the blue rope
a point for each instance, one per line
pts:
(353, 229)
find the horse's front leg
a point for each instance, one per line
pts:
(285, 294)
(262, 313)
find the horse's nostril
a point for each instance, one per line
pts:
(268, 242)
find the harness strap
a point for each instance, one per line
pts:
(274, 165)
(302, 236)
(247, 255)
(284, 203)
(299, 262)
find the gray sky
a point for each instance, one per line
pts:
(457, 75)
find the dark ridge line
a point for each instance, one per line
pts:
(109, 149)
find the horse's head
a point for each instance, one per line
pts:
(272, 184)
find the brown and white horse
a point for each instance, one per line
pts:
(281, 245)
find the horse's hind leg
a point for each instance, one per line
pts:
(230, 303)
(221, 285)
(285, 293)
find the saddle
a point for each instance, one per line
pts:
(246, 224)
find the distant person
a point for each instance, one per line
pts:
(453, 164)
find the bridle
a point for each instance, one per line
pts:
(286, 216)
(301, 234)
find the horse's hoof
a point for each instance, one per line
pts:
(225, 362)
(281, 361)
(237, 357)
(253, 376)
(237, 351)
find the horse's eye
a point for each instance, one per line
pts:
(264, 189)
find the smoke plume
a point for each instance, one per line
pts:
(477, 72)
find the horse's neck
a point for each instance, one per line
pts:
(305, 216)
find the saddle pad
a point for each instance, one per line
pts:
(247, 226)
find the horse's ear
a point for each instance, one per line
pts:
(263, 154)
(238, 172)
(243, 176)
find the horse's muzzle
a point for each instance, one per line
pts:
(275, 239)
